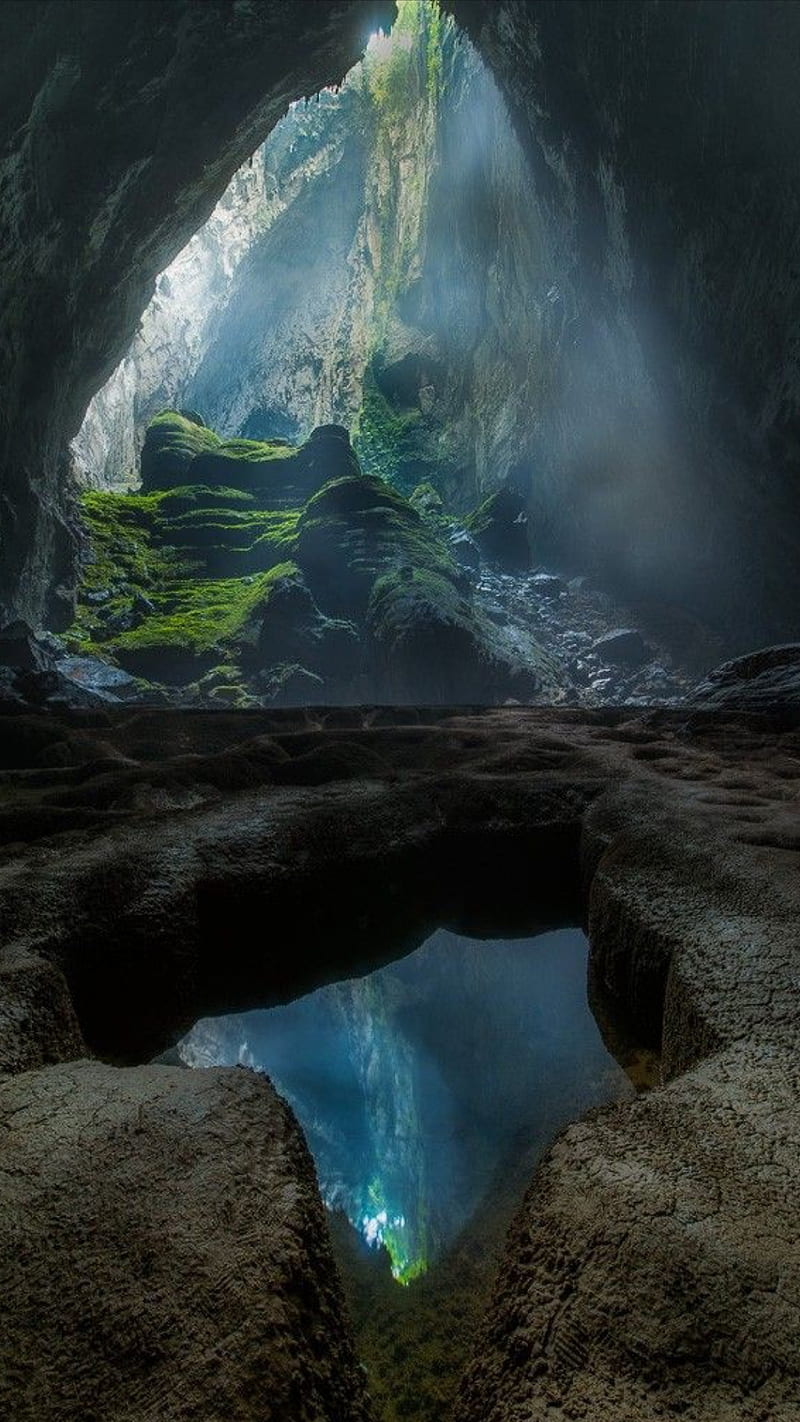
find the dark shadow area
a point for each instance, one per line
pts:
(318, 918)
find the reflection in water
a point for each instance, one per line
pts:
(418, 1084)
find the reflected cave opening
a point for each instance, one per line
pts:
(427, 1091)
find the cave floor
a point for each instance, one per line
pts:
(163, 1247)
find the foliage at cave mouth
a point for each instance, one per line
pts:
(251, 572)
(378, 264)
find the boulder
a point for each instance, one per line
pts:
(428, 645)
(765, 680)
(22, 649)
(548, 585)
(355, 530)
(289, 684)
(465, 550)
(172, 441)
(294, 630)
(499, 527)
(624, 646)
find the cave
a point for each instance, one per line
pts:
(398, 618)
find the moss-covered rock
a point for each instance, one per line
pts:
(213, 581)
(172, 441)
(295, 631)
(428, 644)
(277, 474)
(355, 530)
(499, 527)
(426, 500)
(196, 624)
(397, 440)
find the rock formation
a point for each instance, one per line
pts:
(164, 102)
(345, 277)
(653, 1267)
(249, 571)
(662, 139)
(164, 1230)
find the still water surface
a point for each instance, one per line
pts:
(423, 1085)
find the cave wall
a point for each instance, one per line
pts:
(662, 142)
(122, 124)
(172, 334)
(663, 139)
(391, 222)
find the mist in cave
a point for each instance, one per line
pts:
(331, 467)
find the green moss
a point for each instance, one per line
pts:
(254, 451)
(389, 444)
(181, 500)
(171, 443)
(356, 530)
(198, 616)
(398, 599)
(426, 500)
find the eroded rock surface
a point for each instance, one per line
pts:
(164, 1252)
(653, 1270)
(649, 1273)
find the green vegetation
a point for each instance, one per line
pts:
(391, 444)
(172, 441)
(402, 78)
(356, 530)
(240, 588)
(200, 616)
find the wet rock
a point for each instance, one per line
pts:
(624, 646)
(20, 647)
(465, 550)
(764, 680)
(499, 527)
(98, 676)
(51, 688)
(291, 685)
(548, 585)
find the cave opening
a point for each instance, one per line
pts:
(427, 1092)
(323, 473)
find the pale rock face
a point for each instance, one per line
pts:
(172, 334)
(351, 238)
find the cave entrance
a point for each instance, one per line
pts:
(317, 475)
(427, 1091)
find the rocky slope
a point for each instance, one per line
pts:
(256, 571)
